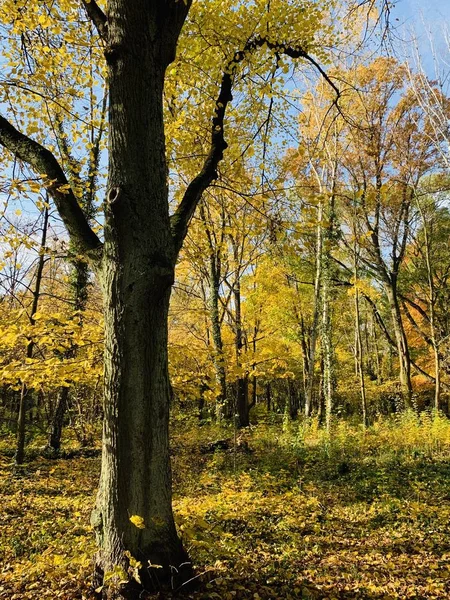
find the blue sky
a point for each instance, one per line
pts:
(433, 10)
(422, 16)
(425, 19)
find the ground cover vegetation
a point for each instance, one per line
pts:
(224, 262)
(290, 513)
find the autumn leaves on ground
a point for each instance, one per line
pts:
(285, 512)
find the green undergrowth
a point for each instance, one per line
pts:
(286, 511)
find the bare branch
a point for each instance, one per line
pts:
(181, 218)
(415, 306)
(45, 163)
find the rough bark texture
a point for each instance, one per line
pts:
(135, 266)
(136, 274)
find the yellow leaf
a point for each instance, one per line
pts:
(137, 521)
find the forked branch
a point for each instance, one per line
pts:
(181, 218)
(55, 181)
(97, 17)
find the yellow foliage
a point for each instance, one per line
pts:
(137, 521)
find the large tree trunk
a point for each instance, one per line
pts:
(135, 474)
(136, 274)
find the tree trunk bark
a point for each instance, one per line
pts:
(242, 404)
(24, 393)
(293, 400)
(327, 351)
(315, 324)
(402, 344)
(431, 304)
(359, 353)
(54, 438)
(21, 425)
(136, 275)
(327, 343)
(135, 473)
(358, 337)
(218, 357)
(268, 397)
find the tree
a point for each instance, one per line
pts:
(135, 262)
(388, 152)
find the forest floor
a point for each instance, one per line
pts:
(286, 512)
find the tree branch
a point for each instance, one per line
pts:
(427, 375)
(171, 17)
(415, 325)
(391, 342)
(416, 306)
(181, 218)
(44, 162)
(97, 17)
(379, 320)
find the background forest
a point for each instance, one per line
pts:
(308, 328)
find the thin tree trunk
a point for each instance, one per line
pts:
(326, 301)
(242, 404)
(402, 344)
(327, 343)
(379, 372)
(80, 279)
(54, 439)
(431, 304)
(316, 311)
(358, 345)
(242, 407)
(293, 400)
(214, 269)
(21, 428)
(24, 393)
(218, 356)
(305, 364)
(268, 397)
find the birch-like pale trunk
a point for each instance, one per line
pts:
(314, 331)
